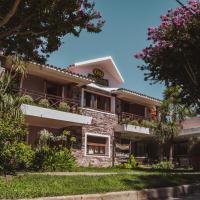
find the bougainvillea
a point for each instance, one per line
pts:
(35, 29)
(173, 56)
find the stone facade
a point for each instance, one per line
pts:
(103, 124)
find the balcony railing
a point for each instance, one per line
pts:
(127, 117)
(54, 101)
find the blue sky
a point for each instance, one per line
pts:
(123, 35)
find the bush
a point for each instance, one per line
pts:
(53, 159)
(134, 122)
(64, 107)
(164, 165)
(44, 103)
(27, 99)
(80, 110)
(16, 156)
(131, 163)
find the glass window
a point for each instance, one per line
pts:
(96, 145)
(53, 89)
(97, 102)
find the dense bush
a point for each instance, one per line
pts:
(16, 156)
(53, 159)
(64, 107)
(27, 99)
(163, 165)
(44, 103)
(131, 163)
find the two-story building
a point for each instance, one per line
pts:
(98, 114)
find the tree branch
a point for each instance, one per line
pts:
(10, 13)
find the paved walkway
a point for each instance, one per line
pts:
(83, 173)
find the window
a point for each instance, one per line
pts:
(97, 145)
(53, 89)
(97, 102)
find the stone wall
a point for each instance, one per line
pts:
(102, 123)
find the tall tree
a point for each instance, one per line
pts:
(173, 54)
(171, 113)
(36, 28)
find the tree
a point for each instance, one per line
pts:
(171, 113)
(173, 54)
(14, 152)
(34, 29)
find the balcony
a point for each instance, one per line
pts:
(132, 125)
(52, 116)
(125, 117)
(53, 100)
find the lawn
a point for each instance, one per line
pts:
(44, 185)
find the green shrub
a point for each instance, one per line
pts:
(42, 155)
(27, 99)
(16, 156)
(53, 159)
(44, 103)
(80, 110)
(64, 107)
(164, 165)
(134, 122)
(131, 163)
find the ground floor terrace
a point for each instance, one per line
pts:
(100, 140)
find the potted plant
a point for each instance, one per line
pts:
(63, 107)
(44, 103)
(194, 155)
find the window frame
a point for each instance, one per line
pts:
(106, 145)
(94, 104)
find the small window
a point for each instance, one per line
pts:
(97, 145)
(98, 102)
(53, 89)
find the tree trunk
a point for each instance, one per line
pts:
(171, 149)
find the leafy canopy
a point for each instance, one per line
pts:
(36, 28)
(173, 54)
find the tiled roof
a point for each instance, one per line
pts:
(62, 70)
(139, 94)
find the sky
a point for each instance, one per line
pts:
(123, 35)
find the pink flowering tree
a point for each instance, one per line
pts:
(34, 29)
(173, 56)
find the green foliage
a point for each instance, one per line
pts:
(44, 103)
(15, 156)
(131, 163)
(64, 107)
(53, 159)
(36, 28)
(80, 110)
(45, 137)
(27, 99)
(163, 165)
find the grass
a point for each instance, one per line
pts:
(29, 186)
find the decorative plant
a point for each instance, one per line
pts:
(45, 137)
(27, 99)
(163, 165)
(63, 106)
(80, 110)
(44, 103)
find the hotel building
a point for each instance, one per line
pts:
(99, 114)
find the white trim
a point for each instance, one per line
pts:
(98, 111)
(99, 60)
(82, 97)
(97, 135)
(98, 93)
